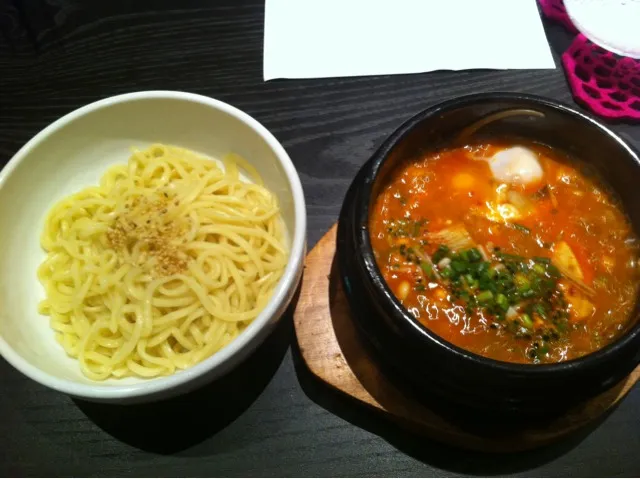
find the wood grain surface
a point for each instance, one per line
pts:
(335, 353)
(271, 417)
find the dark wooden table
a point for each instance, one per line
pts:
(269, 418)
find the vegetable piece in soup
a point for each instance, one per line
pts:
(508, 251)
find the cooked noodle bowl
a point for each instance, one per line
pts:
(162, 264)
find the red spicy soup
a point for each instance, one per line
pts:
(508, 251)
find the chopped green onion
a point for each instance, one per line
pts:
(474, 255)
(510, 257)
(502, 301)
(428, 269)
(492, 272)
(540, 259)
(482, 268)
(458, 266)
(484, 297)
(485, 283)
(446, 272)
(512, 280)
(539, 269)
(540, 310)
(522, 282)
(553, 271)
(441, 253)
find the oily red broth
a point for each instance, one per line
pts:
(537, 271)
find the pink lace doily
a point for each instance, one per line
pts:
(606, 83)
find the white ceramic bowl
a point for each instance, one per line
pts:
(73, 153)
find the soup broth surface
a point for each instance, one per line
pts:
(509, 251)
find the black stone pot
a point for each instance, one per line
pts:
(432, 366)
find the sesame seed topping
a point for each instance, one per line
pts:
(143, 223)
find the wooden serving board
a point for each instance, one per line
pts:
(333, 352)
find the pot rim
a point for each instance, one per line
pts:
(389, 301)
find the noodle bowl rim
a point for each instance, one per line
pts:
(232, 354)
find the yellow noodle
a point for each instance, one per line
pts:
(162, 265)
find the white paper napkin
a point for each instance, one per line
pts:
(335, 38)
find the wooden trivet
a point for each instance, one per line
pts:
(333, 351)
